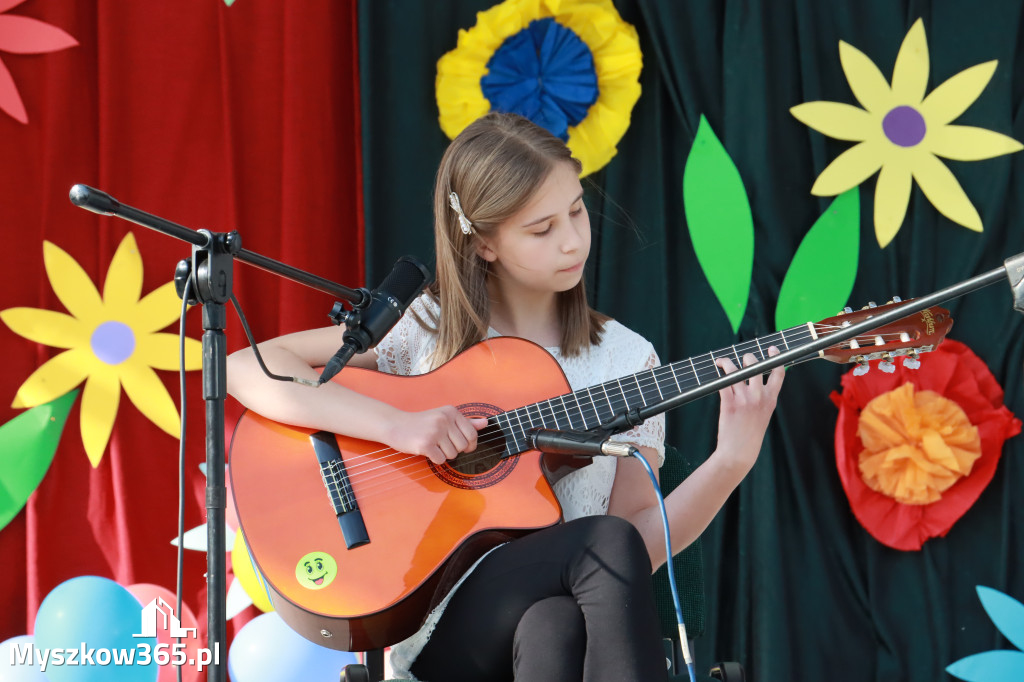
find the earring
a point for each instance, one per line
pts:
(453, 200)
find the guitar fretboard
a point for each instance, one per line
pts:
(597, 406)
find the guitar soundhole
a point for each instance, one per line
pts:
(484, 466)
(490, 446)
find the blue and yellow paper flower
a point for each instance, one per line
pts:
(571, 66)
(903, 132)
(112, 341)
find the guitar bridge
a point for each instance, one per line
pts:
(339, 489)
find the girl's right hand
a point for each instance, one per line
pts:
(439, 434)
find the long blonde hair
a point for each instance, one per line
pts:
(495, 166)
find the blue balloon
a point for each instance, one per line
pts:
(89, 621)
(267, 650)
(22, 666)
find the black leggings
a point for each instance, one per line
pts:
(571, 602)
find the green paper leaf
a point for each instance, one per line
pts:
(229, 2)
(29, 443)
(820, 278)
(720, 222)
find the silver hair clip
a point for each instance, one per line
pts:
(467, 227)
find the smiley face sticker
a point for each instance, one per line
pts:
(316, 570)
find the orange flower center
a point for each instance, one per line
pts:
(916, 444)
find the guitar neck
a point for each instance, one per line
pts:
(600, 405)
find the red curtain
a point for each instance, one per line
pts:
(212, 116)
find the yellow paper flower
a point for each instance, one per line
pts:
(917, 444)
(903, 132)
(111, 341)
(560, 73)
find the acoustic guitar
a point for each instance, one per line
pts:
(356, 542)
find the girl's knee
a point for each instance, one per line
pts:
(553, 620)
(618, 541)
(551, 637)
(617, 534)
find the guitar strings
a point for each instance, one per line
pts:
(378, 459)
(663, 370)
(370, 487)
(554, 414)
(660, 372)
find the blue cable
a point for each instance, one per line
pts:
(683, 641)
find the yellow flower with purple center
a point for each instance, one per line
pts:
(111, 341)
(570, 66)
(902, 132)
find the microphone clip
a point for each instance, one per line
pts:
(352, 319)
(1015, 274)
(376, 312)
(586, 443)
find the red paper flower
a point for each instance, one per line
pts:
(24, 35)
(956, 373)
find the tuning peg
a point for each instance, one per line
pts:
(896, 299)
(886, 365)
(847, 310)
(911, 363)
(861, 369)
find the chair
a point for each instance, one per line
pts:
(689, 574)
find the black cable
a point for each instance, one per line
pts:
(255, 349)
(181, 458)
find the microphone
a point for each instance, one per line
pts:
(555, 442)
(368, 325)
(93, 200)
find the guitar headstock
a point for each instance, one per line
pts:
(919, 332)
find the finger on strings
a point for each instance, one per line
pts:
(448, 448)
(748, 360)
(468, 430)
(459, 439)
(778, 373)
(727, 367)
(435, 455)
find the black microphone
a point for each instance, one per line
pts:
(367, 326)
(555, 442)
(93, 200)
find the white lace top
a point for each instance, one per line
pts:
(585, 492)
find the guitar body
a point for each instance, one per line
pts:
(426, 524)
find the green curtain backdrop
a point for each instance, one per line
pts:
(797, 589)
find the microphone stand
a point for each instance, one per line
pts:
(1012, 270)
(211, 268)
